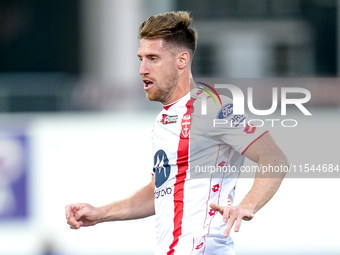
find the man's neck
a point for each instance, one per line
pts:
(192, 83)
(185, 84)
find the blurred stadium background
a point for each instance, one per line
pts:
(75, 124)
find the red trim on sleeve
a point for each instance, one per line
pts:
(253, 142)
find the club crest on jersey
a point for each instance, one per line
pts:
(169, 119)
(186, 125)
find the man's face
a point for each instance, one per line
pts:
(158, 70)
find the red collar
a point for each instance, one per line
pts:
(166, 107)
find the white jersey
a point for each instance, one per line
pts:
(185, 145)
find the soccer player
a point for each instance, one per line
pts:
(193, 215)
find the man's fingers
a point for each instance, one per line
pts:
(226, 213)
(71, 209)
(76, 214)
(236, 215)
(73, 223)
(229, 224)
(68, 211)
(73, 216)
(232, 214)
(238, 223)
(74, 227)
(216, 207)
(224, 210)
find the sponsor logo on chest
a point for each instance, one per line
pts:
(162, 192)
(169, 119)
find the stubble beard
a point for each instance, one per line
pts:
(165, 89)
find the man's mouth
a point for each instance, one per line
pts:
(147, 84)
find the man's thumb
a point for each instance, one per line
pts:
(79, 213)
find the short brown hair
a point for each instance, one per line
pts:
(173, 27)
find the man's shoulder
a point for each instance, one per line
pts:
(210, 104)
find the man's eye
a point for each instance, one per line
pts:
(153, 58)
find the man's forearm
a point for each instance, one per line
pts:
(139, 205)
(265, 184)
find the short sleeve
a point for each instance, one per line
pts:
(222, 125)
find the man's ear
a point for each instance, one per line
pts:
(183, 59)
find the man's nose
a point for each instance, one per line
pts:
(143, 68)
